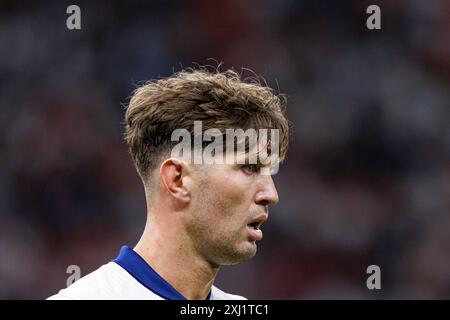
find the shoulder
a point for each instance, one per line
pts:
(108, 282)
(217, 294)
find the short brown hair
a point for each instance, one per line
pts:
(219, 99)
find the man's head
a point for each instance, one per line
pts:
(218, 206)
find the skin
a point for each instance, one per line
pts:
(197, 219)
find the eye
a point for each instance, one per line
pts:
(250, 168)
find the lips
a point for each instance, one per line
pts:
(254, 226)
(255, 234)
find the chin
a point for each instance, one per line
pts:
(244, 253)
(247, 251)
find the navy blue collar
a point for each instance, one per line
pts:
(136, 266)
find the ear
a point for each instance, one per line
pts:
(172, 174)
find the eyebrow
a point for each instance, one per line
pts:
(258, 161)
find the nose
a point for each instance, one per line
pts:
(267, 194)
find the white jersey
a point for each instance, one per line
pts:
(128, 277)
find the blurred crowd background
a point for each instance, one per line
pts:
(366, 180)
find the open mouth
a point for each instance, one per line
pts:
(255, 225)
(257, 222)
(254, 233)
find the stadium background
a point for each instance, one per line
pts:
(366, 181)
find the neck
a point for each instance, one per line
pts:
(169, 251)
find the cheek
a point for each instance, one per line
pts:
(231, 197)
